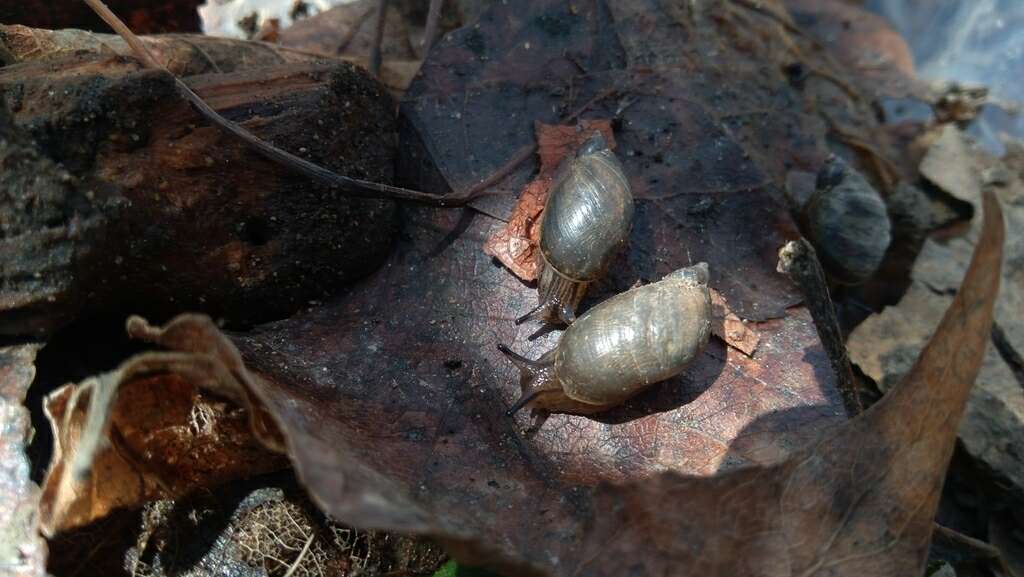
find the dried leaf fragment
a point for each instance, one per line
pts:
(145, 430)
(729, 327)
(515, 245)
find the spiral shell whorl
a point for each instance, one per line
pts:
(637, 338)
(588, 214)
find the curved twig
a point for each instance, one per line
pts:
(352, 186)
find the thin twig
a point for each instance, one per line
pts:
(433, 19)
(526, 151)
(352, 186)
(378, 37)
(798, 260)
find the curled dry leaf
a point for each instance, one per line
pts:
(516, 244)
(885, 345)
(160, 425)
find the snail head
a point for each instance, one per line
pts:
(535, 377)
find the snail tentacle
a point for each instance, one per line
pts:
(535, 377)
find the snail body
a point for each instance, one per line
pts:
(586, 221)
(847, 222)
(621, 346)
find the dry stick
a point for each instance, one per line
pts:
(980, 549)
(798, 260)
(433, 19)
(527, 150)
(378, 38)
(352, 186)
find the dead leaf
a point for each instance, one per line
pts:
(22, 549)
(516, 244)
(885, 345)
(950, 165)
(858, 501)
(144, 431)
(733, 330)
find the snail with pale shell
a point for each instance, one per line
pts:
(585, 223)
(621, 346)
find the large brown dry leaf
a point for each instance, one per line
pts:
(859, 501)
(145, 431)
(391, 397)
(22, 549)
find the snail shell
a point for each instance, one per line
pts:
(586, 221)
(621, 346)
(847, 222)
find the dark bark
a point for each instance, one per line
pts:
(121, 199)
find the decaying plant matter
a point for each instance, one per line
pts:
(385, 391)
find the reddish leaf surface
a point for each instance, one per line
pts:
(392, 397)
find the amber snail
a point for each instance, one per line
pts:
(621, 346)
(847, 222)
(586, 221)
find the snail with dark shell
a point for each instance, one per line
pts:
(847, 222)
(618, 348)
(586, 221)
